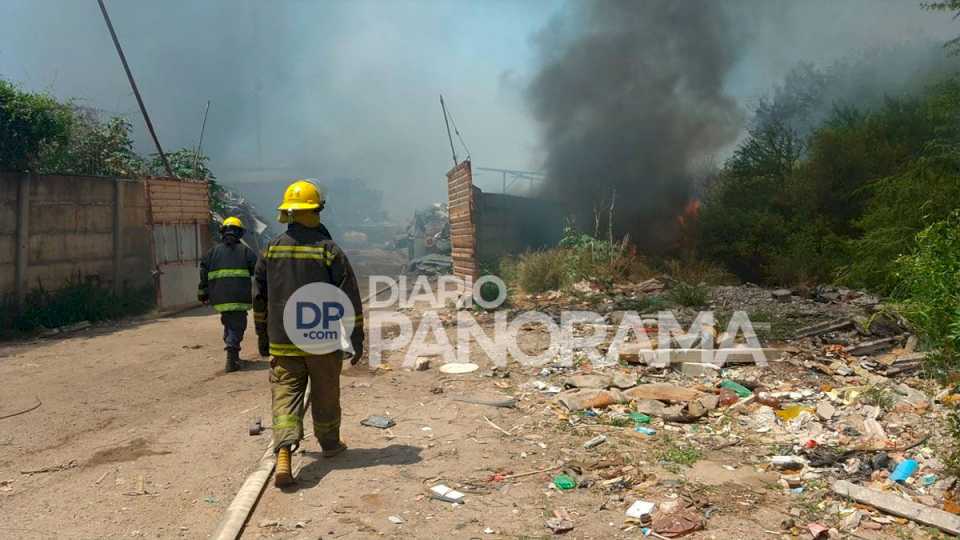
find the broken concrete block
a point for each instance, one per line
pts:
(590, 398)
(910, 395)
(699, 369)
(587, 381)
(662, 391)
(825, 410)
(702, 405)
(781, 295)
(652, 407)
(623, 380)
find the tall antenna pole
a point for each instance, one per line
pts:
(449, 137)
(203, 127)
(136, 92)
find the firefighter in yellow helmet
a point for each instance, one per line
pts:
(225, 274)
(304, 254)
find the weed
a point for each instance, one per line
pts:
(618, 421)
(541, 271)
(643, 304)
(75, 302)
(674, 453)
(952, 459)
(688, 295)
(878, 396)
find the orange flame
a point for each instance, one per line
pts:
(690, 213)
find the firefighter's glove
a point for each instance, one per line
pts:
(357, 343)
(203, 297)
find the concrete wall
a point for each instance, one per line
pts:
(8, 233)
(57, 229)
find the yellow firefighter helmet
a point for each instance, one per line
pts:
(233, 222)
(302, 195)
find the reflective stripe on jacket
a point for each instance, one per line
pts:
(297, 257)
(225, 274)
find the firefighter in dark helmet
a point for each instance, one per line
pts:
(225, 274)
(304, 254)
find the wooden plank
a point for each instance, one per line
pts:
(898, 506)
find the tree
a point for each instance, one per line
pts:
(953, 45)
(28, 122)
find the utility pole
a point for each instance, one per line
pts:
(449, 138)
(136, 92)
(203, 127)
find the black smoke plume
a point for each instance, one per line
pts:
(631, 102)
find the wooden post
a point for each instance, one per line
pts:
(117, 234)
(23, 237)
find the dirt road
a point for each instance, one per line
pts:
(141, 434)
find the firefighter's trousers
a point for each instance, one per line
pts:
(234, 325)
(288, 382)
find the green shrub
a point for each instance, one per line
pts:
(952, 459)
(928, 287)
(28, 122)
(75, 302)
(541, 271)
(686, 294)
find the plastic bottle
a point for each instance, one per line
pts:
(904, 470)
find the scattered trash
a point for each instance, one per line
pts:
(639, 418)
(793, 412)
(564, 482)
(559, 526)
(455, 368)
(818, 531)
(596, 441)
(640, 510)
(506, 403)
(380, 422)
(396, 520)
(679, 522)
(904, 470)
(645, 430)
(446, 494)
(738, 389)
(787, 462)
(422, 363)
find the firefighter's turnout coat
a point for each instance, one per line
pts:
(225, 274)
(300, 256)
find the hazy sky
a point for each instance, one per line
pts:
(350, 89)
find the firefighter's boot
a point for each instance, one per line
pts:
(284, 475)
(233, 360)
(332, 448)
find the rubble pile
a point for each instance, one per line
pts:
(847, 434)
(231, 202)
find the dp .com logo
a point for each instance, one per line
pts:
(319, 318)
